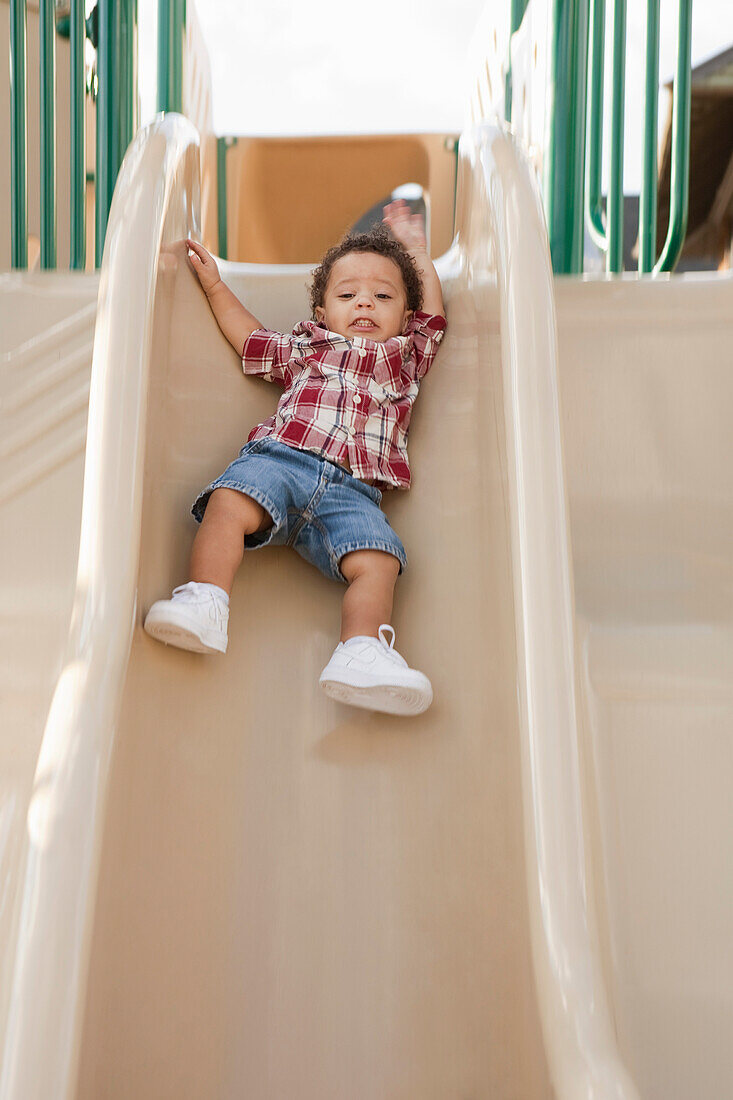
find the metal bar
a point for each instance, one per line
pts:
(518, 8)
(164, 48)
(47, 59)
(171, 23)
(565, 160)
(125, 47)
(648, 197)
(105, 99)
(18, 141)
(116, 98)
(615, 255)
(593, 197)
(77, 138)
(222, 144)
(680, 169)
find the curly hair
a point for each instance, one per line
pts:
(379, 239)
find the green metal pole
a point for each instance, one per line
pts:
(593, 199)
(105, 96)
(565, 161)
(115, 97)
(518, 9)
(615, 258)
(18, 140)
(47, 57)
(222, 144)
(126, 52)
(680, 169)
(77, 136)
(171, 24)
(648, 197)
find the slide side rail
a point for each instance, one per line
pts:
(576, 1018)
(156, 201)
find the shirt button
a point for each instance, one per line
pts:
(357, 399)
(362, 352)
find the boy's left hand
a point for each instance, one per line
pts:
(204, 265)
(408, 228)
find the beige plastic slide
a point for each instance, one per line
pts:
(218, 883)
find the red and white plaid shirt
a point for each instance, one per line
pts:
(347, 400)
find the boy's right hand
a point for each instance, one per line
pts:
(204, 265)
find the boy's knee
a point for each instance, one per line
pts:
(375, 563)
(230, 504)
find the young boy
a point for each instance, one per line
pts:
(311, 475)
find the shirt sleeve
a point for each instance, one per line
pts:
(268, 355)
(427, 331)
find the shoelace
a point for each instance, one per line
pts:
(389, 648)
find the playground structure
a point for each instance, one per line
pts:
(218, 883)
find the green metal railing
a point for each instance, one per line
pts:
(222, 144)
(573, 165)
(171, 30)
(576, 70)
(680, 168)
(116, 98)
(47, 53)
(565, 153)
(518, 8)
(77, 139)
(18, 138)
(609, 237)
(112, 30)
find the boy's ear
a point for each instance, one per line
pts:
(320, 313)
(409, 314)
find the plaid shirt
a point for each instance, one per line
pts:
(347, 400)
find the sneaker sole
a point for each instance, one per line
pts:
(182, 636)
(387, 698)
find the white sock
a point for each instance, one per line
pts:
(360, 638)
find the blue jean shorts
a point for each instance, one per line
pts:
(317, 507)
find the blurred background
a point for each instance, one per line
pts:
(398, 66)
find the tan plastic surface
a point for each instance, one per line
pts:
(294, 899)
(647, 391)
(276, 187)
(319, 896)
(46, 334)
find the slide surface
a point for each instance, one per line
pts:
(226, 884)
(647, 390)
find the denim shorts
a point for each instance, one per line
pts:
(317, 507)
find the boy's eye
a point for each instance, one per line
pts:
(346, 294)
(387, 296)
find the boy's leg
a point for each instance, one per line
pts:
(197, 616)
(365, 670)
(371, 575)
(219, 544)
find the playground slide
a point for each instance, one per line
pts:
(647, 390)
(47, 331)
(220, 882)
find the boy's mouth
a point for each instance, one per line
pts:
(363, 322)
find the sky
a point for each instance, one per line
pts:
(286, 67)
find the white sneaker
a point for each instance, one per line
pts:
(370, 673)
(195, 618)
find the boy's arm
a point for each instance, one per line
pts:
(432, 290)
(409, 229)
(234, 320)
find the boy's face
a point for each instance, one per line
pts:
(365, 296)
